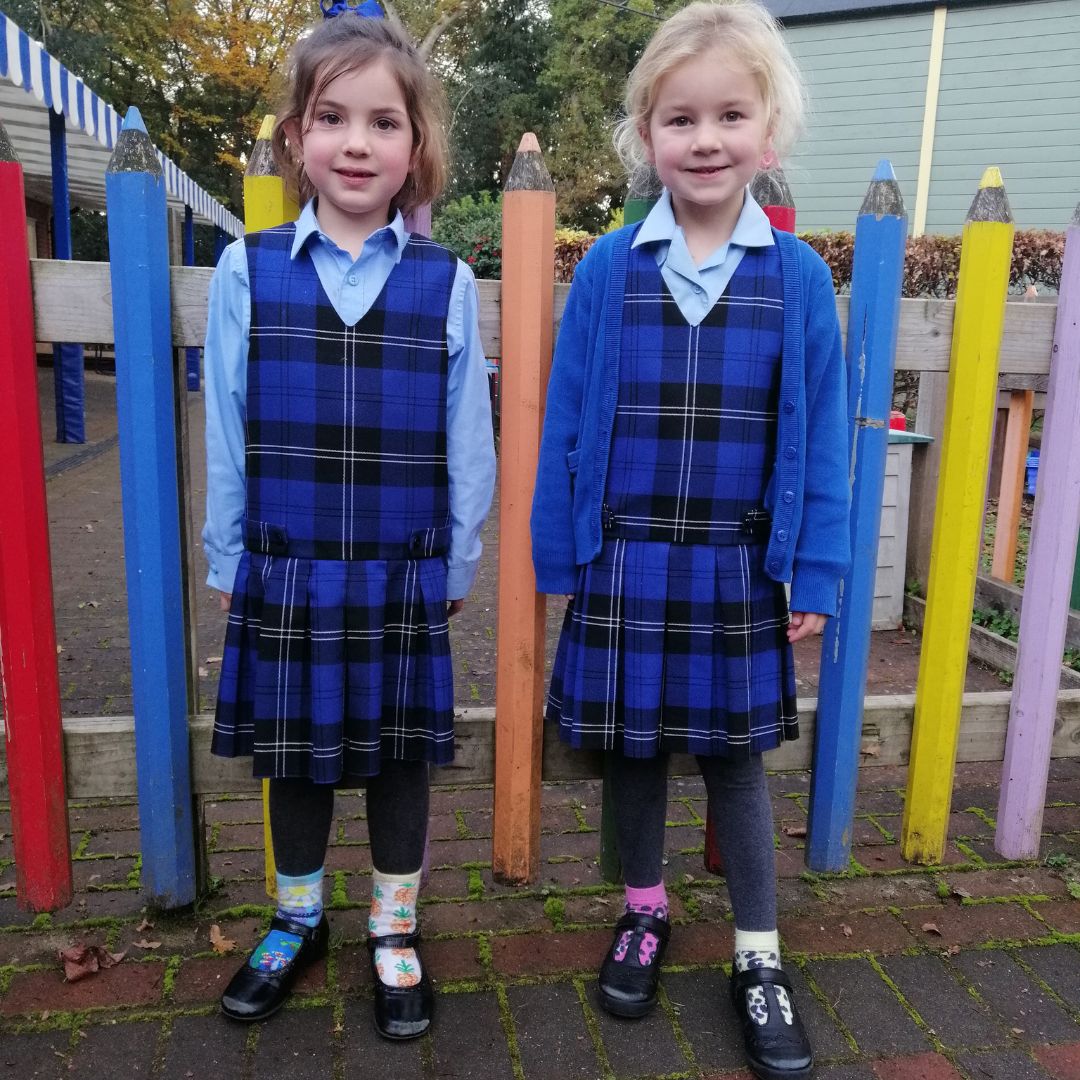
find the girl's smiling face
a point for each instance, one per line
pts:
(357, 148)
(706, 135)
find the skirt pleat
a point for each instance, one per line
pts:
(675, 648)
(330, 666)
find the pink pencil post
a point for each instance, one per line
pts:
(1046, 587)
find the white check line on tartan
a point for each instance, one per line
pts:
(349, 333)
(347, 456)
(703, 411)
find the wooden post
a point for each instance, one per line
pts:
(31, 691)
(1045, 611)
(145, 410)
(874, 315)
(266, 204)
(771, 192)
(1011, 494)
(954, 559)
(528, 269)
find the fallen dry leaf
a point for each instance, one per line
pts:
(82, 960)
(846, 929)
(953, 950)
(213, 659)
(144, 944)
(870, 750)
(794, 830)
(931, 928)
(145, 925)
(962, 893)
(222, 945)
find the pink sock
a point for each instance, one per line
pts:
(651, 901)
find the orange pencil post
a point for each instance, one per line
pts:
(528, 274)
(1017, 430)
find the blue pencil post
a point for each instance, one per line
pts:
(70, 395)
(880, 237)
(192, 353)
(145, 408)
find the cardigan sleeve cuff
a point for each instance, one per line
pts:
(556, 579)
(814, 589)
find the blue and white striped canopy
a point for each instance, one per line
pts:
(25, 64)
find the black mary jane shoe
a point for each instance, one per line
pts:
(628, 987)
(775, 1050)
(253, 994)
(401, 1012)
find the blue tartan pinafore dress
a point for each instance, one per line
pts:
(337, 648)
(676, 640)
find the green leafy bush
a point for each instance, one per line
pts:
(471, 227)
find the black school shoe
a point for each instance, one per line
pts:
(253, 994)
(401, 1012)
(775, 1050)
(628, 987)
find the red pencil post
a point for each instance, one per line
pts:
(31, 692)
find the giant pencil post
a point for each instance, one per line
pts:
(266, 203)
(1045, 613)
(145, 413)
(31, 690)
(954, 558)
(880, 238)
(771, 192)
(528, 273)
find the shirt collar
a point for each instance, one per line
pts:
(751, 230)
(392, 235)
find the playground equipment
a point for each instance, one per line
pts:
(71, 301)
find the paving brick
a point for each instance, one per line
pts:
(826, 1037)
(442, 827)
(641, 1047)
(1061, 1062)
(946, 1007)
(570, 875)
(1060, 819)
(209, 1046)
(296, 1045)
(916, 1067)
(474, 915)
(700, 943)
(447, 800)
(479, 822)
(853, 932)
(1062, 915)
(700, 1000)
(468, 1038)
(968, 825)
(558, 819)
(203, 980)
(1059, 967)
(891, 891)
(968, 924)
(578, 845)
(545, 954)
(857, 1071)
(1026, 1009)
(447, 961)
(229, 865)
(124, 985)
(551, 1035)
(111, 815)
(239, 836)
(1029, 881)
(367, 1056)
(880, 801)
(877, 857)
(456, 852)
(35, 1055)
(232, 810)
(113, 842)
(1002, 1065)
(867, 1007)
(352, 858)
(115, 1050)
(114, 904)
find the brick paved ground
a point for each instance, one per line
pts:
(968, 970)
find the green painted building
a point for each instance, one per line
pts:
(943, 90)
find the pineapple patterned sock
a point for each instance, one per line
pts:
(393, 911)
(299, 900)
(756, 950)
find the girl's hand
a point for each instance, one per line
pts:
(803, 624)
(453, 607)
(225, 600)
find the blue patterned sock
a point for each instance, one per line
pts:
(300, 900)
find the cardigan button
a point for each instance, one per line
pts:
(789, 452)
(789, 406)
(789, 496)
(782, 535)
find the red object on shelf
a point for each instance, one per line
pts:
(897, 420)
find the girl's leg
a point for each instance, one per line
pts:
(629, 975)
(397, 813)
(741, 808)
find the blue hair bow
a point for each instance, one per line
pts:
(368, 9)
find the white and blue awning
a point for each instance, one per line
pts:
(39, 82)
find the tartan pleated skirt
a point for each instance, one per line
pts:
(331, 666)
(675, 648)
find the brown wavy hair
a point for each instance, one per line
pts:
(348, 43)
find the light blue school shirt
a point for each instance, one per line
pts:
(695, 289)
(352, 287)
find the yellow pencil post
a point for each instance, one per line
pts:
(266, 204)
(954, 557)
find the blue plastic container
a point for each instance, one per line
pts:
(1031, 472)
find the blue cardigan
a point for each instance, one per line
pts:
(809, 491)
